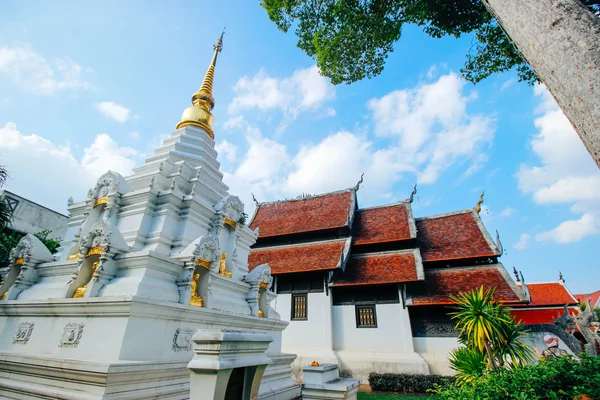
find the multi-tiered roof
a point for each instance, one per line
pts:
(436, 256)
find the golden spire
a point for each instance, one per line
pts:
(479, 203)
(202, 101)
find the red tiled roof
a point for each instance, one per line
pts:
(451, 237)
(441, 283)
(380, 268)
(314, 256)
(539, 316)
(330, 211)
(549, 294)
(594, 298)
(382, 224)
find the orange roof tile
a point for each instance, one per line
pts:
(539, 316)
(384, 224)
(441, 283)
(453, 236)
(381, 268)
(314, 256)
(329, 211)
(549, 294)
(594, 298)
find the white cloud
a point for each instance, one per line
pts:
(135, 135)
(234, 122)
(52, 173)
(433, 128)
(33, 72)
(523, 241)
(228, 150)
(507, 212)
(305, 90)
(113, 111)
(573, 230)
(507, 84)
(566, 174)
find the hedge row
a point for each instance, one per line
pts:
(404, 383)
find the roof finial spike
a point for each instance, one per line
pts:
(254, 199)
(560, 277)
(479, 203)
(412, 195)
(516, 274)
(359, 182)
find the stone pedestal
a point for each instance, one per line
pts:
(324, 382)
(227, 364)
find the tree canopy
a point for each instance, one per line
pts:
(351, 39)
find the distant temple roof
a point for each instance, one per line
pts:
(539, 316)
(454, 236)
(383, 224)
(315, 213)
(441, 283)
(314, 256)
(550, 294)
(381, 268)
(594, 298)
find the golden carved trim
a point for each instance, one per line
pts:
(230, 222)
(100, 200)
(94, 250)
(203, 262)
(20, 261)
(79, 292)
(263, 285)
(4, 295)
(207, 128)
(261, 314)
(74, 256)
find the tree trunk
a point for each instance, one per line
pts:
(561, 41)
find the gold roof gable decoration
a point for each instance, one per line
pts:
(198, 114)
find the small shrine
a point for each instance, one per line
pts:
(147, 260)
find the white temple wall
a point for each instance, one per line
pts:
(392, 334)
(435, 351)
(310, 339)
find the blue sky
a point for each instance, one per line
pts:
(86, 87)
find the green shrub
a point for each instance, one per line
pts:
(562, 379)
(404, 383)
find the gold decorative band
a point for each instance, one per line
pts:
(230, 222)
(202, 262)
(207, 128)
(263, 285)
(100, 200)
(20, 261)
(74, 256)
(93, 251)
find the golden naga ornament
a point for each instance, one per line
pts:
(479, 203)
(100, 200)
(20, 261)
(195, 300)
(203, 262)
(222, 268)
(94, 251)
(263, 285)
(230, 222)
(79, 292)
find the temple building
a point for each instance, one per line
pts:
(369, 287)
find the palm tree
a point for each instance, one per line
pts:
(479, 320)
(5, 211)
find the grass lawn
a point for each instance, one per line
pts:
(388, 396)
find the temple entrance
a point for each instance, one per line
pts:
(235, 386)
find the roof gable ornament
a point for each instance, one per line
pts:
(560, 277)
(254, 199)
(357, 186)
(499, 243)
(479, 203)
(516, 274)
(412, 195)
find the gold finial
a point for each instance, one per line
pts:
(202, 100)
(479, 203)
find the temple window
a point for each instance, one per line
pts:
(299, 307)
(366, 316)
